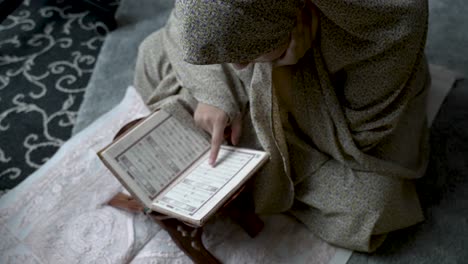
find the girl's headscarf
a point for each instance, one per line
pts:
(222, 31)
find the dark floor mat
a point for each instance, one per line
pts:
(47, 54)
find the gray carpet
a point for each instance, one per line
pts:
(447, 43)
(114, 70)
(442, 238)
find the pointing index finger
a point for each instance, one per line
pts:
(217, 138)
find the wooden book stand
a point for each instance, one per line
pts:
(187, 237)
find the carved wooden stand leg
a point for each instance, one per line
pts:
(241, 210)
(187, 238)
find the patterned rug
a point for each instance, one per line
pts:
(48, 49)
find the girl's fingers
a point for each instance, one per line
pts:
(217, 138)
(213, 120)
(236, 130)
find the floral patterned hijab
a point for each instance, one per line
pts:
(222, 31)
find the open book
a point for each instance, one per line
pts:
(164, 164)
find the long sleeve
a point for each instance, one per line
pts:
(216, 84)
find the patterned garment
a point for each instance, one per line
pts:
(360, 133)
(234, 31)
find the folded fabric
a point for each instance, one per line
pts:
(58, 214)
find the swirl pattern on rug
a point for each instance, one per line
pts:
(47, 54)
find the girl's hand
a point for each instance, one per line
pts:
(215, 121)
(302, 36)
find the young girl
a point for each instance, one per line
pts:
(334, 90)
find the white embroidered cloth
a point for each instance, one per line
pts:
(58, 214)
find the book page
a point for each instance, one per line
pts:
(204, 186)
(155, 154)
